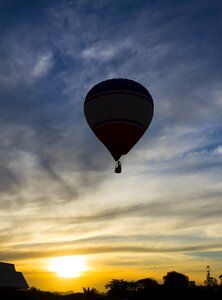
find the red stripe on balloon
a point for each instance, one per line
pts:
(119, 137)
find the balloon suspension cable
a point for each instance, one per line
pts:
(118, 167)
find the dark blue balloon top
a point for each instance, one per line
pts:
(118, 84)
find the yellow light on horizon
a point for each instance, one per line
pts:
(68, 266)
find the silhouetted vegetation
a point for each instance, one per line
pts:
(175, 286)
(175, 280)
(90, 293)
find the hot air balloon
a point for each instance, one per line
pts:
(118, 111)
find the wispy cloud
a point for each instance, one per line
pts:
(22, 63)
(42, 66)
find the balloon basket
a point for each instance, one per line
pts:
(118, 167)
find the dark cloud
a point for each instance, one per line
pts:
(8, 180)
(10, 254)
(124, 240)
(82, 54)
(177, 208)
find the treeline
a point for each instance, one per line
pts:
(175, 286)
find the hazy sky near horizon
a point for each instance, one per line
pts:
(59, 194)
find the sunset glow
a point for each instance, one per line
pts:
(68, 266)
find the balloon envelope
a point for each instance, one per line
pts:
(118, 111)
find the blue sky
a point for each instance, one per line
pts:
(59, 193)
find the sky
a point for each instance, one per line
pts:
(59, 195)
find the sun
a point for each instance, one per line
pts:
(67, 266)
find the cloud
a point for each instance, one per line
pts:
(218, 150)
(42, 66)
(9, 255)
(22, 63)
(104, 51)
(8, 181)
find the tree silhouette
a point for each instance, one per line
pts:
(220, 277)
(146, 284)
(176, 280)
(120, 288)
(211, 281)
(90, 292)
(146, 288)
